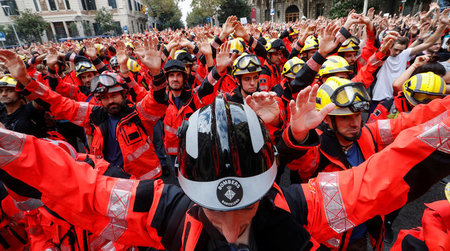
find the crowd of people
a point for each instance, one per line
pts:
(177, 139)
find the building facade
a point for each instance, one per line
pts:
(288, 10)
(75, 18)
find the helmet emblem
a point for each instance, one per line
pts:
(229, 192)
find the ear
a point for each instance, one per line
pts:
(327, 120)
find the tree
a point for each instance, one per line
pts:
(105, 22)
(197, 16)
(166, 12)
(238, 8)
(341, 8)
(30, 27)
(87, 28)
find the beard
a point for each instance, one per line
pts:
(114, 109)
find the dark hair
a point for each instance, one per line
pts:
(436, 68)
(402, 41)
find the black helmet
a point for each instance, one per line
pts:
(174, 65)
(226, 160)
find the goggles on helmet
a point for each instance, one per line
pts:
(102, 84)
(246, 61)
(424, 97)
(83, 65)
(355, 40)
(345, 96)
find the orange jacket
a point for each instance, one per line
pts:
(390, 108)
(151, 213)
(134, 130)
(269, 77)
(191, 100)
(434, 233)
(12, 224)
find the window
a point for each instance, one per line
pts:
(135, 5)
(88, 4)
(112, 4)
(11, 9)
(36, 6)
(67, 4)
(129, 5)
(59, 30)
(52, 4)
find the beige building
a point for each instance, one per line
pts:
(75, 18)
(288, 10)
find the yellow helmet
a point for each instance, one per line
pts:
(246, 63)
(292, 66)
(295, 32)
(133, 65)
(8, 81)
(311, 43)
(274, 45)
(350, 45)
(237, 46)
(83, 67)
(349, 97)
(334, 64)
(23, 58)
(423, 87)
(129, 44)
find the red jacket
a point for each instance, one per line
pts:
(434, 233)
(12, 224)
(153, 214)
(190, 100)
(390, 108)
(134, 130)
(328, 156)
(269, 77)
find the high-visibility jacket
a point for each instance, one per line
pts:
(390, 108)
(328, 156)
(153, 214)
(12, 224)
(434, 233)
(191, 100)
(269, 77)
(134, 130)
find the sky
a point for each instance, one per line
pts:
(185, 7)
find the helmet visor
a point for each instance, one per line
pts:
(425, 98)
(245, 62)
(350, 40)
(83, 65)
(101, 83)
(352, 95)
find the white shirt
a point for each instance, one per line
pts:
(388, 73)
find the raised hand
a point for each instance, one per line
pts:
(239, 31)
(52, 58)
(15, 65)
(91, 51)
(388, 41)
(443, 18)
(420, 60)
(152, 58)
(228, 27)
(224, 58)
(327, 41)
(204, 46)
(121, 53)
(304, 115)
(266, 106)
(139, 50)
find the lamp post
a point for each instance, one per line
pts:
(8, 8)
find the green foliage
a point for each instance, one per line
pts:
(238, 8)
(73, 30)
(30, 26)
(9, 35)
(105, 21)
(197, 16)
(341, 8)
(166, 12)
(87, 28)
